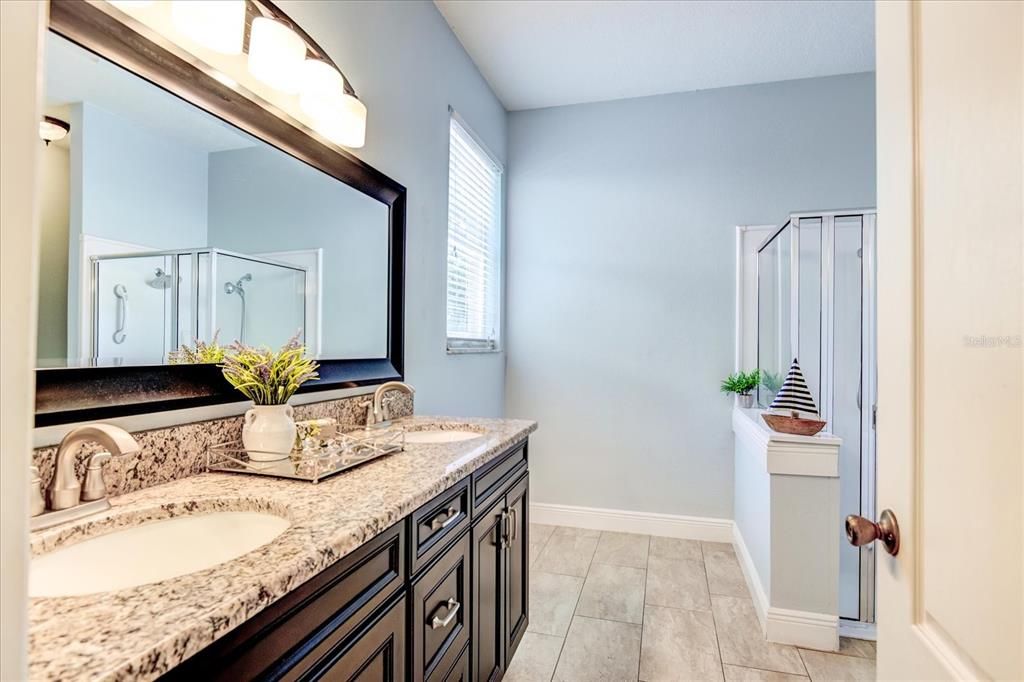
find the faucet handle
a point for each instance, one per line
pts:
(95, 488)
(36, 503)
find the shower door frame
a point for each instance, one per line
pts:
(172, 338)
(864, 625)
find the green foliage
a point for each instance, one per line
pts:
(267, 377)
(772, 382)
(741, 383)
(203, 353)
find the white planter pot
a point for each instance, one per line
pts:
(745, 401)
(268, 432)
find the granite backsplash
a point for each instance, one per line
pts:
(180, 451)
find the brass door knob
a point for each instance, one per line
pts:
(861, 531)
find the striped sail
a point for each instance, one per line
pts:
(793, 395)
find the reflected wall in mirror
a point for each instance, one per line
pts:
(163, 224)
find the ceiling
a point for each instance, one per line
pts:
(75, 75)
(543, 53)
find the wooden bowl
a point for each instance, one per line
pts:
(793, 425)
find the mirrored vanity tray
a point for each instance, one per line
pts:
(317, 460)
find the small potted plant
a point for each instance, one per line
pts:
(771, 382)
(200, 354)
(269, 379)
(742, 384)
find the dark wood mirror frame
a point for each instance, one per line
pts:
(72, 394)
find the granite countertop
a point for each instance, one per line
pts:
(142, 632)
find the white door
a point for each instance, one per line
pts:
(950, 310)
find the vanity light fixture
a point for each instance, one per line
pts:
(52, 129)
(216, 24)
(337, 115)
(276, 54)
(348, 125)
(321, 87)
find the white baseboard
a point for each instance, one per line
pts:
(647, 523)
(752, 577)
(785, 626)
(802, 628)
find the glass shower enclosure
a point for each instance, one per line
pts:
(816, 302)
(146, 305)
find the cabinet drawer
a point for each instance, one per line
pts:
(490, 482)
(434, 524)
(458, 672)
(376, 653)
(440, 613)
(313, 618)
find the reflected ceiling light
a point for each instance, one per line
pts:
(276, 54)
(347, 125)
(216, 24)
(52, 129)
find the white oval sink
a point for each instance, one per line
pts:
(439, 436)
(151, 552)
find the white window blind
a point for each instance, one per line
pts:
(474, 244)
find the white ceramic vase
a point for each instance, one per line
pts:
(268, 432)
(746, 401)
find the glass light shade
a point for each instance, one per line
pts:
(276, 54)
(321, 89)
(216, 24)
(52, 129)
(346, 125)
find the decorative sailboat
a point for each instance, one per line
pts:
(793, 410)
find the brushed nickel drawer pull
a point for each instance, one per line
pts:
(502, 529)
(515, 523)
(453, 610)
(444, 520)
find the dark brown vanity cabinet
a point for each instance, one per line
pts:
(441, 596)
(500, 581)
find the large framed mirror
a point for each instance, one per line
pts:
(179, 210)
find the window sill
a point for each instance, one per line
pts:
(473, 351)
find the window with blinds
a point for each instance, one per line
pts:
(474, 243)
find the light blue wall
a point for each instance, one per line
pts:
(408, 67)
(263, 200)
(621, 241)
(137, 186)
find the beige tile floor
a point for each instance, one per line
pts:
(618, 606)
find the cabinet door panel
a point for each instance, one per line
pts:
(376, 654)
(488, 594)
(517, 585)
(460, 672)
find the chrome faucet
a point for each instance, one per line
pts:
(65, 497)
(379, 416)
